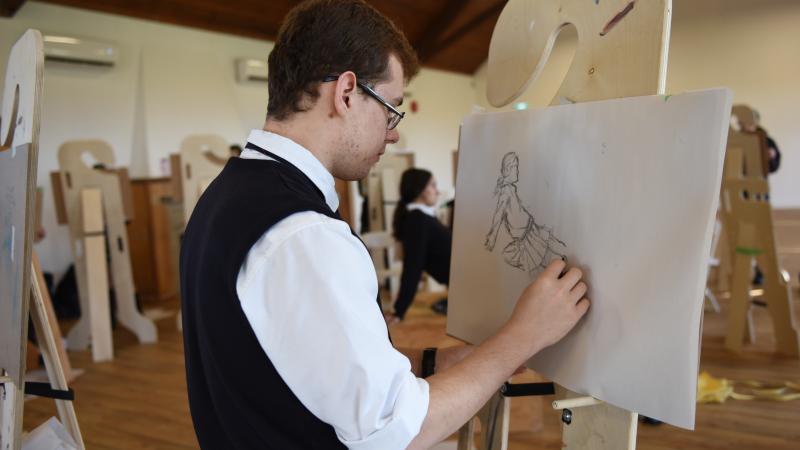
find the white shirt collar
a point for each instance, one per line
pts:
(299, 157)
(429, 210)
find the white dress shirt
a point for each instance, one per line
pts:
(308, 289)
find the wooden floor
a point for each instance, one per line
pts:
(138, 401)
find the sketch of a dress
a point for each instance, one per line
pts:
(532, 246)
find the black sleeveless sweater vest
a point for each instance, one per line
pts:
(236, 397)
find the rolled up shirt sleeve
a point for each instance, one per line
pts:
(308, 289)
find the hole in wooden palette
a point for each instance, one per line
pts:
(90, 161)
(542, 90)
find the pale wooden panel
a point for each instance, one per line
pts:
(202, 157)
(175, 176)
(622, 48)
(94, 253)
(19, 140)
(92, 211)
(76, 176)
(58, 197)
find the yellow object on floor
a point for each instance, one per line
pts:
(717, 390)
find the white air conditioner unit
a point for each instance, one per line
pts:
(251, 70)
(79, 50)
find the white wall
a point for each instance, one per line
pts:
(755, 52)
(173, 81)
(170, 81)
(444, 98)
(757, 55)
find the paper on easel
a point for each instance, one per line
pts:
(627, 190)
(51, 435)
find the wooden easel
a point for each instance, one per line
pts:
(201, 159)
(747, 220)
(621, 52)
(97, 204)
(19, 136)
(383, 189)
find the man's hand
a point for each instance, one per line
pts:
(549, 307)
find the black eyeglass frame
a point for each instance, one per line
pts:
(393, 119)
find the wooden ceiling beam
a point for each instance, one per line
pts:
(205, 15)
(10, 7)
(426, 44)
(469, 26)
(433, 27)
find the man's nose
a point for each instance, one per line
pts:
(392, 136)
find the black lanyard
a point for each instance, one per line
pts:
(269, 154)
(277, 158)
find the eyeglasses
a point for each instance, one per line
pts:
(395, 116)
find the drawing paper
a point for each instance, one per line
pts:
(625, 189)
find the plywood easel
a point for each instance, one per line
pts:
(202, 157)
(383, 189)
(19, 136)
(747, 220)
(96, 208)
(621, 52)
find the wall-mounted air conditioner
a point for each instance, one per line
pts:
(79, 50)
(248, 70)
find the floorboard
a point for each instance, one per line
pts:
(138, 401)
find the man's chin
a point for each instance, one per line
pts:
(354, 175)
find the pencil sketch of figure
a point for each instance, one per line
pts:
(532, 246)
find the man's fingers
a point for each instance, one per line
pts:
(582, 306)
(554, 269)
(572, 277)
(578, 291)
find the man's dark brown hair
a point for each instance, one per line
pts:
(327, 37)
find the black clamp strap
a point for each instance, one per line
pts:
(45, 390)
(428, 362)
(527, 389)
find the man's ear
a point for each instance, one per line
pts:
(345, 89)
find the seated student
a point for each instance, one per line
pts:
(426, 242)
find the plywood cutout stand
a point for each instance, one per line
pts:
(97, 203)
(621, 52)
(747, 220)
(19, 136)
(382, 189)
(201, 159)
